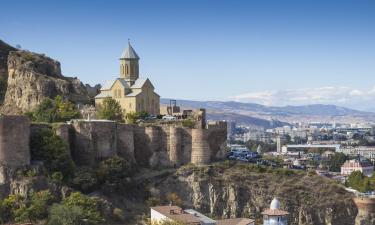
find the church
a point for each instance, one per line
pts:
(134, 94)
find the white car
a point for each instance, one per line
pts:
(169, 118)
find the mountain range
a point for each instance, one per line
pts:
(270, 116)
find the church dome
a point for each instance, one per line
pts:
(275, 204)
(129, 53)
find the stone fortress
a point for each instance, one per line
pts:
(91, 141)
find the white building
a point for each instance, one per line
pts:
(191, 217)
(274, 215)
(355, 165)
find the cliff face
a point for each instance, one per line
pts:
(242, 191)
(4, 52)
(32, 77)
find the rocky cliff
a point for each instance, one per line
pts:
(227, 190)
(4, 52)
(33, 77)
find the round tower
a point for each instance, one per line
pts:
(175, 146)
(274, 215)
(200, 152)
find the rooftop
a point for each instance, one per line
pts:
(177, 214)
(237, 221)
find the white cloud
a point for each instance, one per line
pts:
(343, 96)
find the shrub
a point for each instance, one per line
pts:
(36, 209)
(64, 215)
(85, 179)
(113, 170)
(110, 109)
(188, 123)
(53, 151)
(88, 205)
(56, 110)
(174, 199)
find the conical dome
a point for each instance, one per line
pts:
(275, 204)
(129, 53)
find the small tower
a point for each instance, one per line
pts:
(274, 215)
(129, 66)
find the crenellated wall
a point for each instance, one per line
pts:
(164, 145)
(91, 141)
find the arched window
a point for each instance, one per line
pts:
(126, 69)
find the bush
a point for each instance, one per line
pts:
(53, 151)
(36, 209)
(89, 207)
(188, 123)
(114, 170)
(336, 161)
(174, 199)
(85, 179)
(110, 109)
(57, 110)
(64, 215)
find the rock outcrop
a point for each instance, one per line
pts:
(33, 77)
(4, 52)
(227, 191)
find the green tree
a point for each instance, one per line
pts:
(60, 214)
(85, 179)
(46, 146)
(56, 110)
(36, 209)
(336, 161)
(132, 117)
(114, 170)
(88, 205)
(355, 180)
(110, 109)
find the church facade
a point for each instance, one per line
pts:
(134, 94)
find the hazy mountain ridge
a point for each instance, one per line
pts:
(315, 112)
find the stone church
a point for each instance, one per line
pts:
(133, 93)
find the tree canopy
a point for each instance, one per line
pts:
(110, 109)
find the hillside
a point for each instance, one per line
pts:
(227, 190)
(288, 114)
(28, 78)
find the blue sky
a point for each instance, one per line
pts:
(210, 49)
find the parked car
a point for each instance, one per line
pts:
(169, 118)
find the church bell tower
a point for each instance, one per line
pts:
(129, 66)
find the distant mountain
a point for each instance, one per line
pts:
(287, 114)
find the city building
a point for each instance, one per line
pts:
(134, 94)
(274, 215)
(355, 165)
(191, 217)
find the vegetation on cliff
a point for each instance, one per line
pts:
(230, 189)
(360, 182)
(54, 110)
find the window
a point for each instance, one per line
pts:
(126, 69)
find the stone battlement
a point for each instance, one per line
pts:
(91, 141)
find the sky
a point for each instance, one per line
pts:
(278, 52)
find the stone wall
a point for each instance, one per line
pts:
(91, 141)
(14, 141)
(151, 146)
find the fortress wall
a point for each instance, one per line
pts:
(142, 149)
(93, 141)
(125, 141)
(175, 142)
(186, 145)
(217, 140)
(200, 152)
(14, 141)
